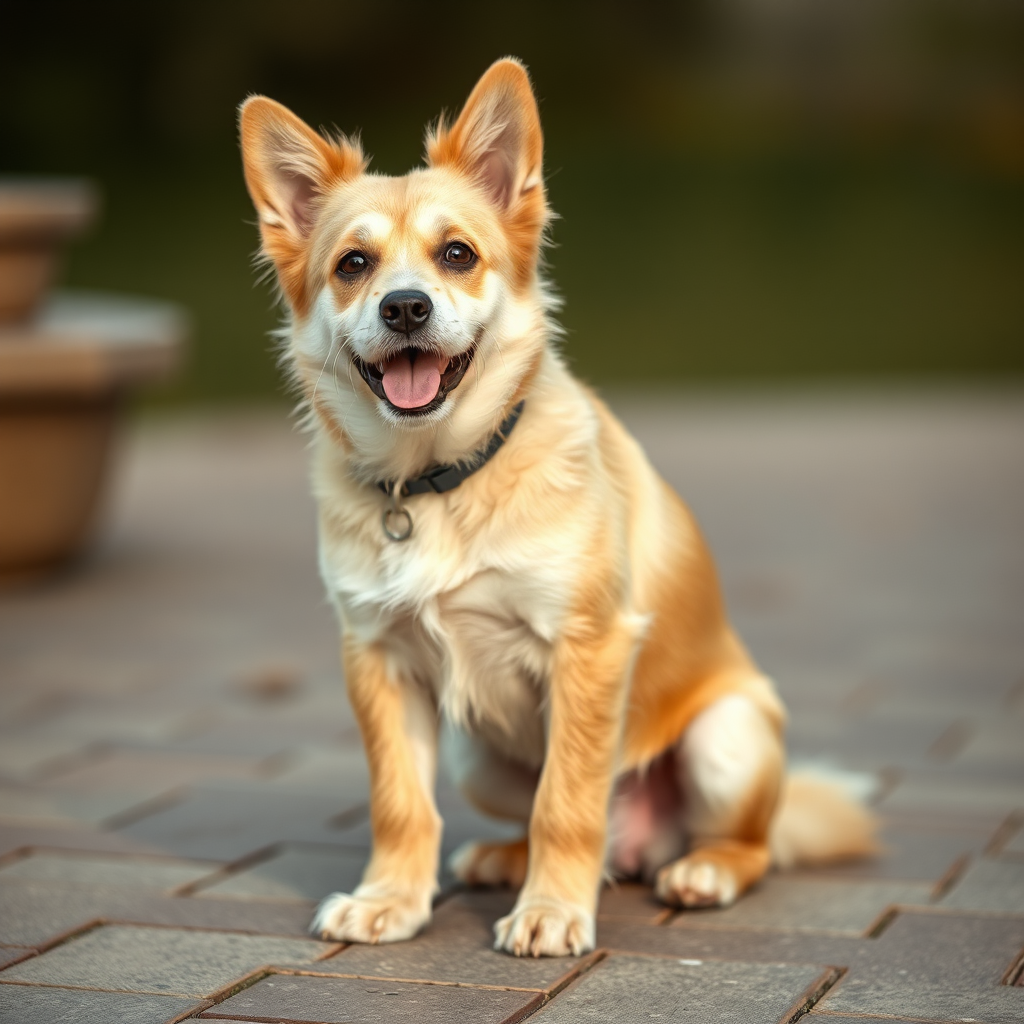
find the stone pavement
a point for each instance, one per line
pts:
(180, 778)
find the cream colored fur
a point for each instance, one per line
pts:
(559, 609)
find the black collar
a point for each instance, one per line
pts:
(447, 478)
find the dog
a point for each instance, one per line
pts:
(502, 556)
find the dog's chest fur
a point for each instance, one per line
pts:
(471, 614)
(466, 635)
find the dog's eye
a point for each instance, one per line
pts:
(460, 254)
(353, 263)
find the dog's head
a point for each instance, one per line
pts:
(415, 301)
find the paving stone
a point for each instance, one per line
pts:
(227, 822)
(936, 966)
(147, 650)
(34, 913)
(359, 1001)
(462, 824)
(630, 989)
(295, 873)
(838, 1018)
(914, 851)
(161, 961)
(995, 885)
(809, 903)
(755, 945)
(327, 768)
(994, 744)
(631, 901)
(457, 947)
(29, 1004)
(31, 804)
(22, 757)
(145, 774)
(627, 901)
(94, 869)
(68, 836)
(957, 818)
(952, 791)
(864, 743)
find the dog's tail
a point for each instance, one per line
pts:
(819, 821)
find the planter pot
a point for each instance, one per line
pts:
(37, 219)
(62, 377)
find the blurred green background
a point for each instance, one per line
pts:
(748, 189)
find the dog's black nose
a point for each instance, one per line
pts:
(405, 311)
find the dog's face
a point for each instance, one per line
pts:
(415, 298)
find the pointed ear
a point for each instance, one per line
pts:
(497, 138)
(288, 167)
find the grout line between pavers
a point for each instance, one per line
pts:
(145, 809)
(937, 911)
(759, 929)
(696, 961)
(13, 856)
(353, 816)
(1007, 829)
(240, 984)
(813, 994)
(250, 1019)
(27, 955)
(526, 1011)
(881, 923)
(952, 875)
(71, 853)
(67, 936)
(304, 972)
(584, 967)
(847, 1014)
(1014, 974)
(234, 867)
(186, 1014)
(95, 988)
(246, 898)
(63, 764)
(126, 923)
(951, 741)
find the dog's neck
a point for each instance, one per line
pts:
(344, 414)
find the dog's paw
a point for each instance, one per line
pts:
(490, 863)
(370, 916)
(545, 927)
(696, 882)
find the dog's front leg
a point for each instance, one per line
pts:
(399, 728)
(554, 915)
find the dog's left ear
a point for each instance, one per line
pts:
(497, 138)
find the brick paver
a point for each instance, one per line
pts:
(181, 779)
(648, 988)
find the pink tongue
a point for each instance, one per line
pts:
(411, 384)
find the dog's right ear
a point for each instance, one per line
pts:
(288, 169)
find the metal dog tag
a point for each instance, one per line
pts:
(397, 523)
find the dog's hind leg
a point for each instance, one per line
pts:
(497, 787)
(731, 763)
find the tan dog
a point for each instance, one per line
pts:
(556, 607)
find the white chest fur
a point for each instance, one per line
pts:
(472, 620)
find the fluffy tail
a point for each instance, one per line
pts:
(818, 821)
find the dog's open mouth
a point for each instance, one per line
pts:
(415, 381)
